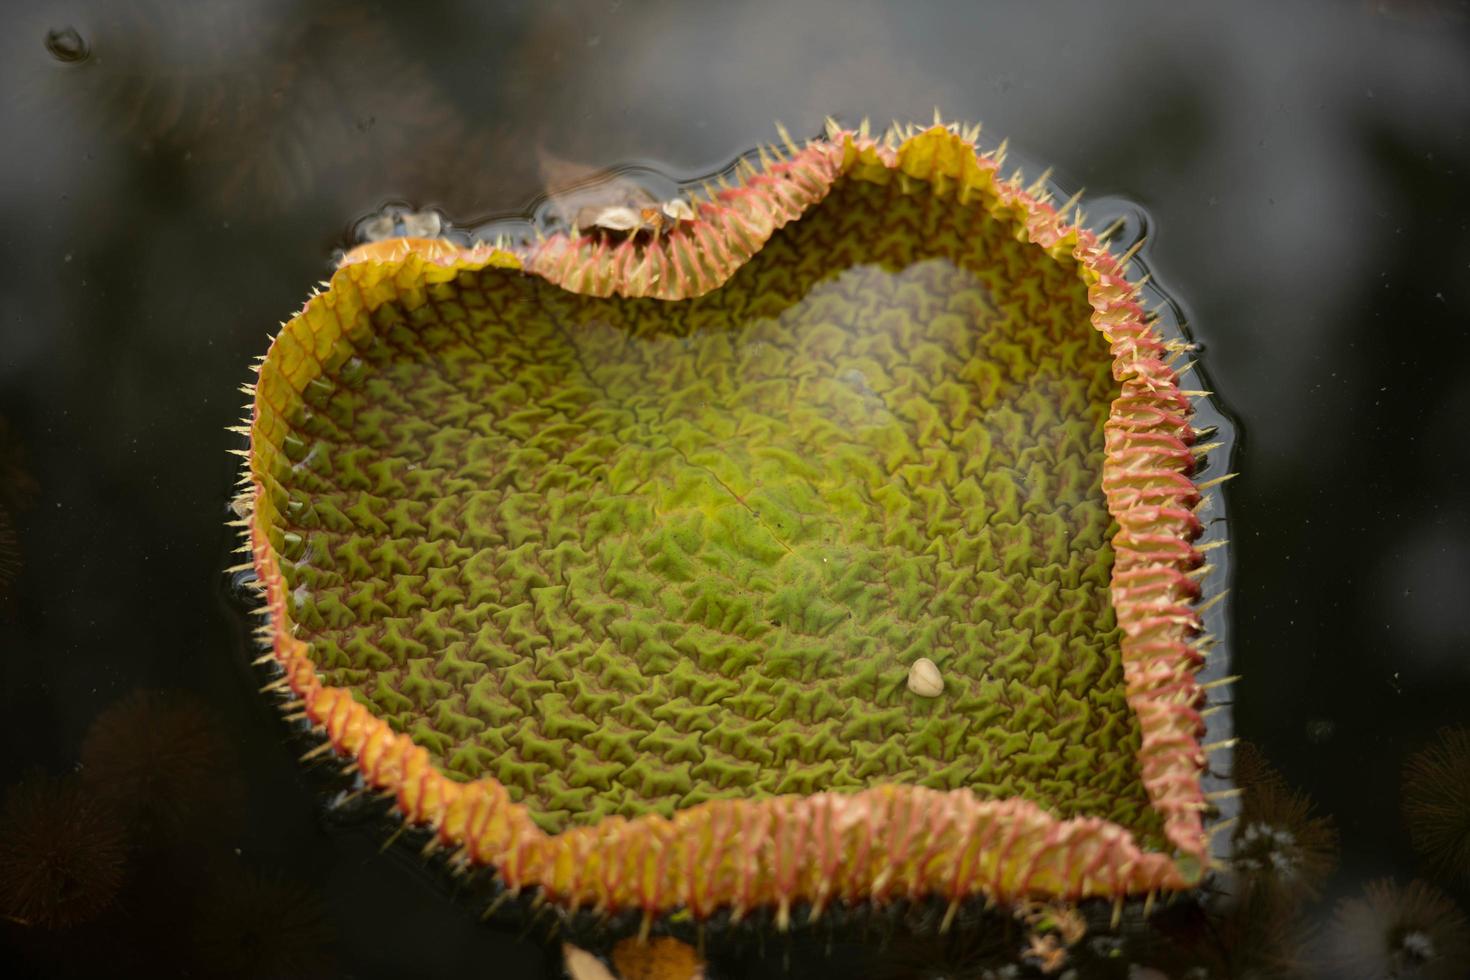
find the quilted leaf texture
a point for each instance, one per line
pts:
(610, 558)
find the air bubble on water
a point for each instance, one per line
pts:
(66, 45)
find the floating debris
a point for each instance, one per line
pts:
(582, 965)
(621, 221)
(397, 222)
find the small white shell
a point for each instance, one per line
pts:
(924, 679)
(618, 219)
(679, 209)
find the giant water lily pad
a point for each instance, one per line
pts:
(610, 559)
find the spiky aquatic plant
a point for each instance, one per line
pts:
(1251, 935)
(1398, 932)
(254, 925)
(62, 853)
(1281, 845)
(18, 491)
(609, 558)
(1436, 801)
(159, 759)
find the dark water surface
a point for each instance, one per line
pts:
(177, 176)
